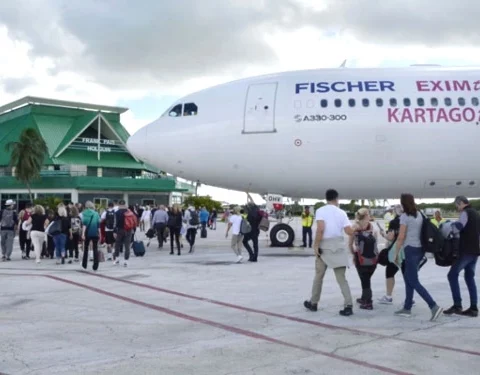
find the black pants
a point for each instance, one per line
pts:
(123, 240)
(94, 241)
(190, 237)
(365, 273)
(252, 236)
(160, 228)
(48, 248)
(25, 244)
(307, 231)
(73, 245)
(174, 235)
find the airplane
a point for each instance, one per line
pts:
(368, 133)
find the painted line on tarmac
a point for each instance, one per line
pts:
(287, 317)
(224, 327)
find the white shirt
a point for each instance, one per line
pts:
(335, 220)
(236, 221)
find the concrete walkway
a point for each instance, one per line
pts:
(204, 314)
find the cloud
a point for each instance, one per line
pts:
(169, 43)
(14, 85)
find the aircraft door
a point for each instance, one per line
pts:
(260, 109)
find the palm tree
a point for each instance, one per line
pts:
(27, 156)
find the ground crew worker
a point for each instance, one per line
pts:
(438, 219)
(307, 222)
(388, 217)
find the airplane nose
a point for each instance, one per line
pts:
(136, 144)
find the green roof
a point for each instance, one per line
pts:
(63, 123)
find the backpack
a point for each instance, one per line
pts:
(7, 219)
(264, 222)
(110, 220)
(129, 220)
(451, 246)
(76, 224)
(245, 227)
(367, 254)
(431, 237)
(194, 220)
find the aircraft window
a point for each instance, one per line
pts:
(475, 102)
(190, 109)
(379, 102)
(461, 102)
(351, 102)
(448, 102)
(393, 102)
(324, 103)
(420, 102)
(434, 101)
(406, 102)
(365, 102)
(338, 103)
(176, 111)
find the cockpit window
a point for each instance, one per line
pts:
(176, 111)
(190, 109)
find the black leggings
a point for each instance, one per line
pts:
(94, 241)
(365, 273)
(175, 232)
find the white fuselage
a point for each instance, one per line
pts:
(300, 133)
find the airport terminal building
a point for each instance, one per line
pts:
(87, 156)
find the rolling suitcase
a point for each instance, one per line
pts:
(138, 248)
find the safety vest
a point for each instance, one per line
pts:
(307, 221)
(436, 222)
(387, 218)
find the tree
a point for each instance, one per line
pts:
(27, 156)
(199, 202)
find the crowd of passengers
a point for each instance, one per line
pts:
(76, 228)
(405, 253)
(82, 227)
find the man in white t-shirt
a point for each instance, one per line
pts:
(331, 251)
(235, 222)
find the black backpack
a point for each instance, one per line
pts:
(367, 254)
(110, 220)
(194, 220)
(431, 237)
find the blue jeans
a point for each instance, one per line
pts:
(60, 241)
(467, 263)
(413, 256)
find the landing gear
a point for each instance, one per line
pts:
(282, 235)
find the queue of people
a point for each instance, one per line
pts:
(405, 253)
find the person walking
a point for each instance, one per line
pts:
(409, 238)
(330, 251)
(90, 234)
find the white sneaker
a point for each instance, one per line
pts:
(125, 264)
(385, 300)
(38, 261)
(116, 262)
(239, 259)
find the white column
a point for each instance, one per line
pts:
(75, 196)
(125, 198)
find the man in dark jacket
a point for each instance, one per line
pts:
(469, 227)
(8, 226)
(254, 218)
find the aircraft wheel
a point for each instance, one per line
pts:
(282, 235)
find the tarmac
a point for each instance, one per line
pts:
(203, 314)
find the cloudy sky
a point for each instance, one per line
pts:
(147, 53)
